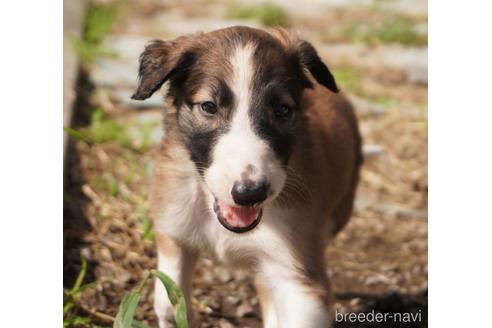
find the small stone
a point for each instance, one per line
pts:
(355, 302)
(106, 254)
(207, 277)
(388, 267)
(377, 279)
(417, 269)
(224, 275)
(340, 308)
(86, 252)
(225, 324)
(393, 289)
(372, 150)
(202, 307)
(123, 278)
(207, 263)
(234, 300)
(414, 290)
(214, 304)
(240, 275)
(244, 310)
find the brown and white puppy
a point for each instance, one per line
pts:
(258, 167)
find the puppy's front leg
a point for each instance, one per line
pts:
(298, 300)
(263, 288)
(177, 262)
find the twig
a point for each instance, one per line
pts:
(98, 315)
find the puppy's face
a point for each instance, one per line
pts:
(236, 95)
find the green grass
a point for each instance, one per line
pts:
(98, 23)
(99, 20)
(70, 299)
(106, 183)
(382, 100)
(142, 213)
(102, 129)
(396, 28)
(423, 110)
(266, 13)
(348, 79)
(400, 29)
(129, 303)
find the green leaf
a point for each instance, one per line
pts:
(180, 314)
(173, 291)
(126, 311)
(76, 322)
(138, 324)
(97, 116)
(80, 277)
(147, 233)
(176, 297)
(128, 306)
(67, 306)
(75, 134)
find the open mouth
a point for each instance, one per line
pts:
(237, 219)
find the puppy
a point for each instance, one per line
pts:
(258, 167)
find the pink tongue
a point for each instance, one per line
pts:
(239, 216)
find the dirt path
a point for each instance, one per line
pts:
(378, 262)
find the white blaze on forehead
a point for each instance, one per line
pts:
(241, 142)
(240, 148)
(241, 84)
(242, 65)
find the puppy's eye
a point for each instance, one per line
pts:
(208, 107)
(282, 111)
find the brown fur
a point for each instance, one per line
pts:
(323, 168)
(167, 245)
(329, 158)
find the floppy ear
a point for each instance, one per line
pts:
(158, 62)
(309, 58)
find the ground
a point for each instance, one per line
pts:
(378, 53)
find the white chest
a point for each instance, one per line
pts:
(188, 216)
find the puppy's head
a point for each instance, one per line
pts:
(236, 94)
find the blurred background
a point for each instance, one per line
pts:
(377, 50)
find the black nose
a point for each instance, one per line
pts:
(248, 193)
